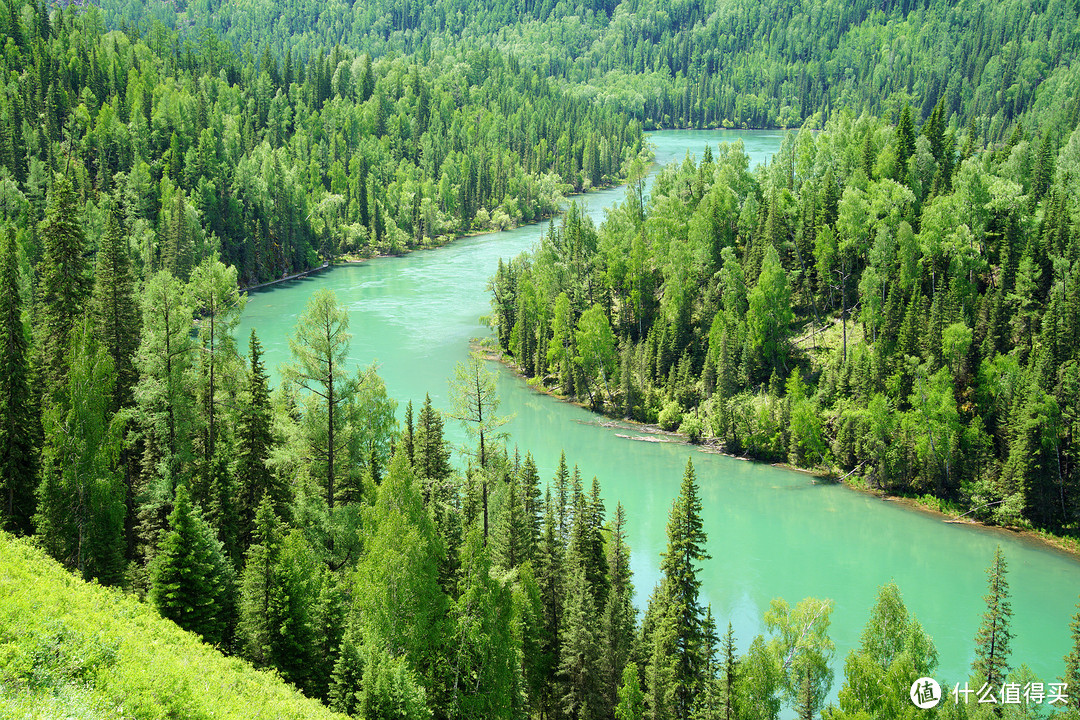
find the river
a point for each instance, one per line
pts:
(772, 532)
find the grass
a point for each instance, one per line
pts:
(71, 649)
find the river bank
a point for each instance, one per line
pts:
(940, 509)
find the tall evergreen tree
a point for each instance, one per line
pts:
(260, 588)
(431, 455)
(18, 465)
(116, 310)
(682, 614)
(992, 641)
(254, 442)
(63, 287)
(192, 583)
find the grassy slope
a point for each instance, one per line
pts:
(69, 649)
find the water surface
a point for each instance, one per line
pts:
(772, 532)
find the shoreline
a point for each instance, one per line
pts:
(1043, 539)
(295, 276)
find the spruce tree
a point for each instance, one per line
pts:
(116, 310)
(254, 441)
(63, 287)
(682, 614)
(191, 582)
(619, 620)
(529, 479)
(260, 588)
(431, 455)
(992, 641)
(17, 425)
(511, 529)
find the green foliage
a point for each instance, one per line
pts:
(83, 650)
(192, 583)
(63, 287)
(892, 653)
(17, 464)
(81, 499)
(992, 641)
(905, 327)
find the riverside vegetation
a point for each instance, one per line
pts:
(148, 169)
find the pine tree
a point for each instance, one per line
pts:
(579, 659)
(619, 618)
(191, 582)
(678, 596)
(254, 442)
(18, 466)
(905, 143)
(116, 310)
(529, 480)
(431, 455)
(511, 529)
(992, 641)
(63, 287)
(260, 588)
(550, 578)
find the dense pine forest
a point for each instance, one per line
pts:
(898, 302)
(710, 63)
(895, 296)
(277, 166)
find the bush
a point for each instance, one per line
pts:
(671, 416)
(692, 427)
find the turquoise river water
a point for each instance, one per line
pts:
(772, 532)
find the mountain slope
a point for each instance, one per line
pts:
(72, 649)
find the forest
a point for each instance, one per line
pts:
(894, 298)
(898, 303)
(709, 63)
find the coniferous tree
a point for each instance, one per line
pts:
(319, 348)
(260, 589)
(619, 619)
(511, 530)
(63, 287)
(17, 425)
(550, 578)
(254, 442)
(579, 657)
(992, 641)
(431, 455)
(164, 412)
(116, 310)
(681, 629)
(214, 298)
(192, 583)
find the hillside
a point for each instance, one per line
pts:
(706, 63)
(74, 649)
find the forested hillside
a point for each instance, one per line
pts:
(901, 305)
(275, 165)
(709, 63)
